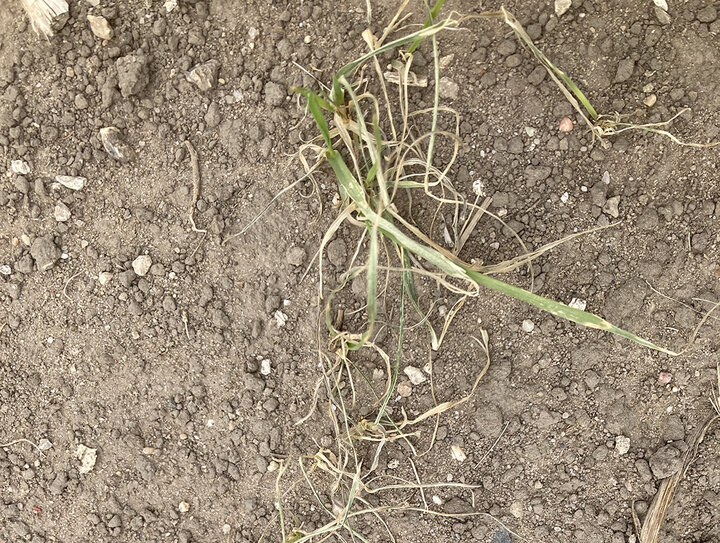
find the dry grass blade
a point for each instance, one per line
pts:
(44, 14)
(649, 530)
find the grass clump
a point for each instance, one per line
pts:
(382, 155)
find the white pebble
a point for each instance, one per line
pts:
(415, 375)
(528, 326)
(70, 181)
(61, 212)
(622, 444)
(564, 198)
(577, 303)
(20, 167)
(265, 367)
(183, 507)
(141, 265)
(104, 278)
(457, 453)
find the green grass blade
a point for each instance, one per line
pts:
(337, 92)
(463, 271)
(431, 18)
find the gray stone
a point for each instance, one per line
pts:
(45, 253)
(488, 420)
(337, 252)
(205, 75)
(625, 70)
(666, 461)
(274, 94)
(295, 256)
(707, 14)
(133, 74)
(213, 116)
(537, 174)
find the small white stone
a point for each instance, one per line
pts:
(479, 187)
(280, 318)
(448, 88)
(141, 265)
(183, 507)
(20, 167)
(170, 5)
(404, 389)
(100, 27)
(561, 7)
(104, 278)
(528, 326)
(622, 444)
(577, 303)
(564, 198)
(393, 464)
(61, 212)
(530, 131)
(70, 181)
(265, 367)
(606, 177)
(457, 453)
(437, 500)
(5, 269)
(415, 375)
(226, 528)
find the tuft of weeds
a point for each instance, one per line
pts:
(383, 158)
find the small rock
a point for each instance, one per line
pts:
(536, 174)
(528, 326)
(61, 212)
(708, 14)
(275, 94)
(665, 462)
(457, 453)
(20, 167)
(625, 70)
(5, 269)
(71, 182)
(265, 367)
(104, 278)
(662, 16)
(448, 88)
(337, 252)
(115, 145)
(416, 376)
(295, 256)
(213, 115)
(611, 207)
(404, 389)
(100, 27)
(133, 74)
(562, 6)
(87, 457)
(664, 378)
(622, 444)
(650, 100)
(205, 75)
(44, 252)
(566, 125)
(577, 303)
(141, 265)
(183, 507)
(489, 420)
(59, 483)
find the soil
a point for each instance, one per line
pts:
(125, 331)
